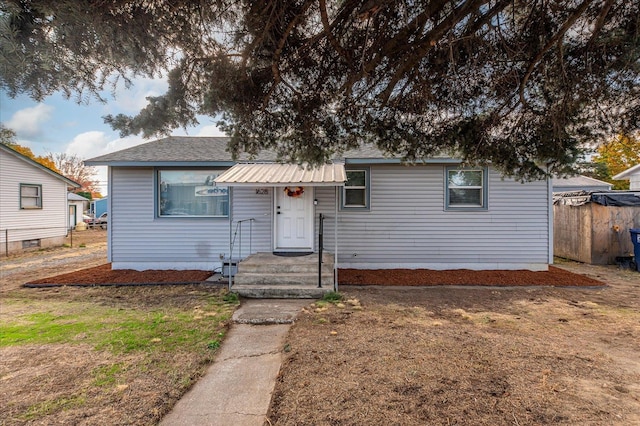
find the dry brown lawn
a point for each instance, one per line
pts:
(467, 356)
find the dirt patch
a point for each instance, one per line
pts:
(89, 249)
(104, 275)
(474, 355)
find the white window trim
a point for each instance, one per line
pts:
(484, 190)
(366, 187)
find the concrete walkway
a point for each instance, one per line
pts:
(237, 387)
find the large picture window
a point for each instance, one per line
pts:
(466, 189)
(30, 196)
(191, 193)
(355, 194)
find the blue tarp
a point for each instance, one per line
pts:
(616, 200)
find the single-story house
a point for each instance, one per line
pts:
(579, 183)
(633, 175)
(77, 206)
(33, 203)
(184, 203)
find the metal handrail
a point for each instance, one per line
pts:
(320, 247)
(238, 230)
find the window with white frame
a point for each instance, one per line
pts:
(30, 196)
(191, 193)
(466, 189)
(355, 193)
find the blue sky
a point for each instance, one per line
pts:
(62, 125)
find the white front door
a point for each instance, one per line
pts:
(294, 219)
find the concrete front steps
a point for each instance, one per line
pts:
(267, 276)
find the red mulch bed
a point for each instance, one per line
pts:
(427, 277)
(104, 275)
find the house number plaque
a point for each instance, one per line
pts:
(262, 191)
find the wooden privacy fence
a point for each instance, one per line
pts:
(593, 233)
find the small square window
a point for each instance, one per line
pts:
(466, 189)
(355, 193)
(30, 196)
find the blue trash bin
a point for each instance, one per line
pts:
(635, 239)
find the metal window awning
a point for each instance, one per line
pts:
(277, 174)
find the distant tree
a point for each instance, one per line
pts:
(8, 138)
(521, 84)
(616, 156)
(73, 167)
(86, 194)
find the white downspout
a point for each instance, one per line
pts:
(550, 217)
(229, 271)
(335, 241)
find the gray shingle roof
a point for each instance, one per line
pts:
(579, 182)
(194, 150)
(175, 149)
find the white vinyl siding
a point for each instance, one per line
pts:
(252, 203)
(141, 240)
(48, 222)
(408, 226)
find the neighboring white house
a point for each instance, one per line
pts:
(33, 203)
(580, 183)
(77, 206)
(632, 175)
(167, 211)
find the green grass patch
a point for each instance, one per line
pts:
(231, 297)
(118, 330)
(332, 296)
(107, 375)
(48, 407)
(42, 327)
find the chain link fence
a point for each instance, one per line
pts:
(16, 240)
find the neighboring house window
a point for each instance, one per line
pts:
(355, 193)
(466, 189)
(30, 196)
(191, 193)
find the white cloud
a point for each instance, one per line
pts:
(28, 122)
(88, 144)
(92, 144)
(133, 99)
(95, 143)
